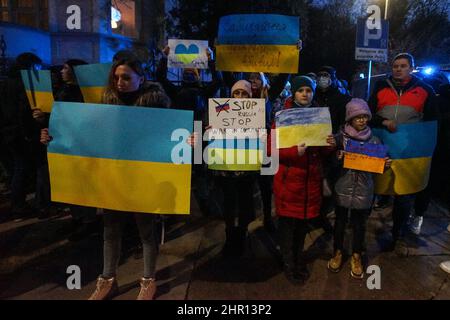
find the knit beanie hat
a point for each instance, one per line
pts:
(356, 107)
(302, 81)
(244, 85)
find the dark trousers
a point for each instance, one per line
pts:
(400, 213)
(422, 201)
(21, 170)
(238, 200)
(83, 214)
(265, 186)
(292, 234)
(42, 178)
(358, 219)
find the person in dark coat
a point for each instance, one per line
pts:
(19, 132)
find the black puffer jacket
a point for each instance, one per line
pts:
(335, 101)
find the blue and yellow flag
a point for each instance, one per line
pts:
(295, 126)
(93, 79)
(411, 148)
(38, 85)
(258, 43)
(119, 157)
(235, 154)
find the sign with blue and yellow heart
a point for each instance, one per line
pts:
(187, 54)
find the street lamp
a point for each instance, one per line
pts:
(386, 9)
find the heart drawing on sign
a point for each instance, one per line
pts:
(187, 55)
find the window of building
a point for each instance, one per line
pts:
(32, 13)
(123, 17)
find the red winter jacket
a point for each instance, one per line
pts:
(298, 182)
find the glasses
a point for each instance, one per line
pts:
(363, 117)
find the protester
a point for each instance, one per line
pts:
(298, 188)
(401, 98)
(354, 189)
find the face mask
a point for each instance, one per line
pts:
(324, 82)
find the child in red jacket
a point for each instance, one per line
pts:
(298, 188)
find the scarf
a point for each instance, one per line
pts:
(358, 135)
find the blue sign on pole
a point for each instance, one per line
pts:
(372, 40)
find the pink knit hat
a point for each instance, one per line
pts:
(244, 85)
(356, 107)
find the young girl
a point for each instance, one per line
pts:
(126, 87)
(354, 189)
(298, 188)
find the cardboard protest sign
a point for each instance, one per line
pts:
(302, 125)
(365, 156)
(187, 54)
(119, 158)
(234, 140)
(258, 42)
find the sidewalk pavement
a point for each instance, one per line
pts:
(35, 254)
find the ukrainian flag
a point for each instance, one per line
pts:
(93, 79)
(411, 147)
(119, 157)
(302, 125)
(38, 86)
(235, 154)
(258, 43)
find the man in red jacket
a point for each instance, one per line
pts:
(402, 98)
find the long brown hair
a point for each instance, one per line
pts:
(111, 95)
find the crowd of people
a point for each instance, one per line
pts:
(310, 183)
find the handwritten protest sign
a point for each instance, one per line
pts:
(369, 149)
(258, 42)
(302, 125)
(187, 54)
(362, 162)
(239, 114)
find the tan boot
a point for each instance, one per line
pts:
(105, 289)
(148, 289)
(357, 270)
(335, 263)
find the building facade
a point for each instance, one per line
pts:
(92, 30)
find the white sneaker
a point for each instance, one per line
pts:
(445, 266)
(416, 225)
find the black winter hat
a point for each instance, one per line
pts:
(330, 70)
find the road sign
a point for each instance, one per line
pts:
(372, 40)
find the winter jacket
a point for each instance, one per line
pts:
(354, 189)
(17, 126)
(410, 103)
(336, 102)
(298, 182)
(189, 96)
(141, 97)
